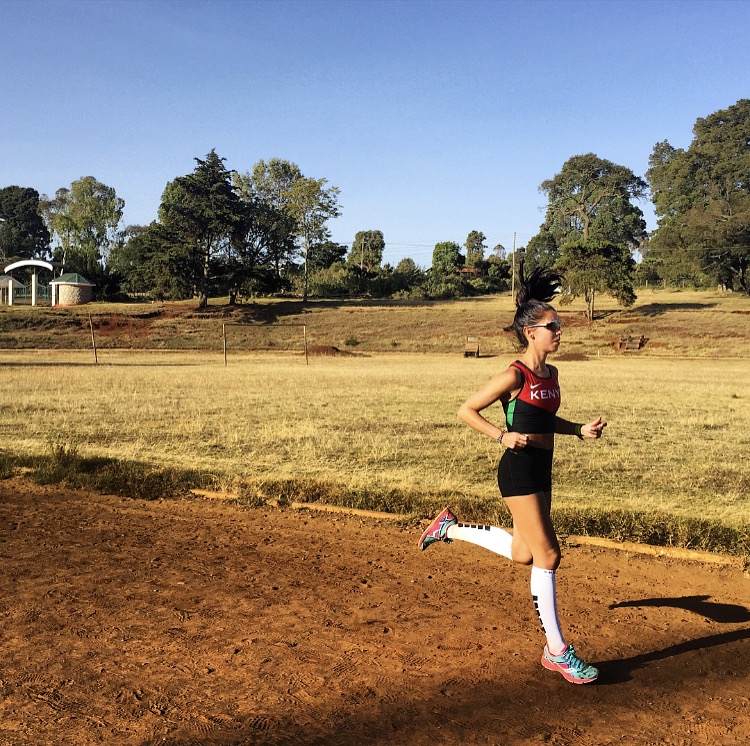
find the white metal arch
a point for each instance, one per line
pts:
(29, 263)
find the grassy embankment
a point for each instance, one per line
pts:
(378, 429)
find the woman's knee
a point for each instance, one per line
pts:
(521, 555)
(548, 559)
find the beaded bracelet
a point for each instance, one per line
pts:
(500, 437)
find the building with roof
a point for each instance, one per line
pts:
(71, 289)
(7, 285)
(67, 290)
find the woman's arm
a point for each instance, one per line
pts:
(496, 389)
(590, 430)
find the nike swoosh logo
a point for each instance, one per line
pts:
(534, 385)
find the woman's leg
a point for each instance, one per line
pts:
(494, 538)
(445, 527)
(533, 540)
(534, 535)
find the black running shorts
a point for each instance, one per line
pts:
(525, 472)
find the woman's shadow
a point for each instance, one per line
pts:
(618, 671)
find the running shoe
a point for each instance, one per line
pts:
(570, 666)
(437, 529)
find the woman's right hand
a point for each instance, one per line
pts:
(515, 441)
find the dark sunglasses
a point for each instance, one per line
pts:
(553, 326)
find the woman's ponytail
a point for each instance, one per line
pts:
(533, 297)
(543, 284)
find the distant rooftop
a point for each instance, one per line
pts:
(71, 278)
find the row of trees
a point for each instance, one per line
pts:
(221, 232)
(224, 233)
(452, 273)
(265, 231)
(701, 197)
(218, 232)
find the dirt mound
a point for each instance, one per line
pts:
(326, 350)
(121, 326)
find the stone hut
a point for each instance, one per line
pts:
(72, 290)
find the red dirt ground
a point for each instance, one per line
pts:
(196, 622)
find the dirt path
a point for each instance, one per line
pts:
(193, 622)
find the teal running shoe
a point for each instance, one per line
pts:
(437, 529)
(570, 666)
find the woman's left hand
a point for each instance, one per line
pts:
(593, 429)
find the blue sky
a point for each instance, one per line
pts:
(433, 118)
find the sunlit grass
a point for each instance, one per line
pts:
(677, 438)
(378, 428)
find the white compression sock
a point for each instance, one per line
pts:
(495, 539)
(544, 593)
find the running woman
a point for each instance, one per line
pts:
(530, 395)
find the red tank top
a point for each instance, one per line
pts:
(533, 409)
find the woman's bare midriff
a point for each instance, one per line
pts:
(541, 440)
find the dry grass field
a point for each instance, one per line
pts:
(379, 428)
(676, 439)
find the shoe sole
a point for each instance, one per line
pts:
(426, 533)
(421, 541)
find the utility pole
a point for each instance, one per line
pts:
(513, 269)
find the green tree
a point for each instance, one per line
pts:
(475, 248)
(407, 275)
(498, 273)
(648, 271)
(23, 233)
(152, 259)
(272, 232)
(269, 243)
(327, 254)
(311, 204)
(85, 220)
(541, 251)
(592, 198)
(367, 250)
(333, 281)
(363, 262)
(669, 250)
(595, 266)
(127, 257)
(446, 259)
(270, 181)
(203, 210)
(592, 219)
(702, 197)
(444, 280)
